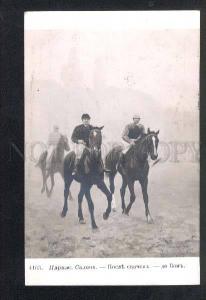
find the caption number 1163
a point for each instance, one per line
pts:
(35, 267)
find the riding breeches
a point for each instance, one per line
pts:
(50, 150)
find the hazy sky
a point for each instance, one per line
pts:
(109, 73)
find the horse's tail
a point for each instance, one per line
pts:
(69, 162)
(41, 160)
(112, 159)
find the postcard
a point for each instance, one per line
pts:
(112, 147)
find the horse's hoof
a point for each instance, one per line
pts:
(150, 221)
(149, 218)
(42, 190)
(125, 212)
(114, 209)
(105, 216)
(94, 227)
(63, 213)
(82, 221)
(49, 195)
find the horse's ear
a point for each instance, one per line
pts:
(99, 128)
(148, 130)
(157, 132)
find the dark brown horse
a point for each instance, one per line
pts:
(133, 167)
(90, 172)
(56, 165)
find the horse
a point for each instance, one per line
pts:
(56, 165)
(90, 172)
(134, 167)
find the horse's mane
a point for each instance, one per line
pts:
(138, 150)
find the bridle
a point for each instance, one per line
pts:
(93, 147)
(140, 143)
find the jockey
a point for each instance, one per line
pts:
(53, 140)
(80, 138)
(132, 133)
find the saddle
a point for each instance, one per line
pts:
(84, 164)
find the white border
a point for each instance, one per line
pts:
(112, 20)
(66, 271)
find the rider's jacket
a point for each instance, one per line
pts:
(81, 132)
(132, 131)
(53, 138)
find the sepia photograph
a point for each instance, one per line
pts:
(112, 134)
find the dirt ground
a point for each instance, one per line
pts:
(174, 205)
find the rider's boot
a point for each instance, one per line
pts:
(76, 165)
(121, 159)
(48, 163)
(101, 167)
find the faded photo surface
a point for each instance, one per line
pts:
(114, 73)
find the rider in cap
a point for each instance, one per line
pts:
(131, 134)
(80, 138)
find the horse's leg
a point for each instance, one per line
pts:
(132, 196)
(144, 184)
(122, 193)
(49, 192)
(62, 175)
(80, 198)
(112, 188)
(70, 196)
(91, 207)
(47, 174)
(67, 184)
(43, 170)
(102, 186)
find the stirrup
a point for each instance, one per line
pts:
(74, 172)
(122, 158)
(107, 170)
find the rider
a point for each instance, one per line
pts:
(53, 140)
(131, 134)
(80, 137)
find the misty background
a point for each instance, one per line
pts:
(111, 75)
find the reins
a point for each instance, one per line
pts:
(140, 143)
(145, 139)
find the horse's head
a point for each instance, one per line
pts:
(95, 141)
(152, 142)
(64, 143)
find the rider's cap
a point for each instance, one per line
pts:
(86, 116)
(136, 116)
